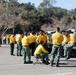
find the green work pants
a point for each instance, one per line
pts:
(32, 47)
(43, 56)
(56, 52)
(26, 54)
(11, 48)
(67, 50)
(63, 49)
(19, 48)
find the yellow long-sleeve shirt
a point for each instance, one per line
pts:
(4, 37)
(43, 37)
(57, 38)
(40, 49)
(48, 39)
(8, 36)
(72, 39)
(65, 39)
(12, 39)
(18, 38)
(32, 38)
(25, 41)
(75, 38)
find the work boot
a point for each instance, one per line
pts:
(57, 65)
(47, 63)
(30, 62)
(51, 64)
(13, 54)
(43, 61)
(25, 62)
(67, 58)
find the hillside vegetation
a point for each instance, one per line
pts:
(16, 17)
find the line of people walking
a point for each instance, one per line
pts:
(36, 45)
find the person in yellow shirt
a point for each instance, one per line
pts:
(43, 37)
(4, 39)
(41, 52)
(19, 44)
(12, 42)
(26, 49)
(57, 39)
(7, 38)
(75, 39)
(65, 41)
(69, 45)
(32, 44)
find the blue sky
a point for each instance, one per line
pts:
(68, 4)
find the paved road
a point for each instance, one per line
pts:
(13, 65)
